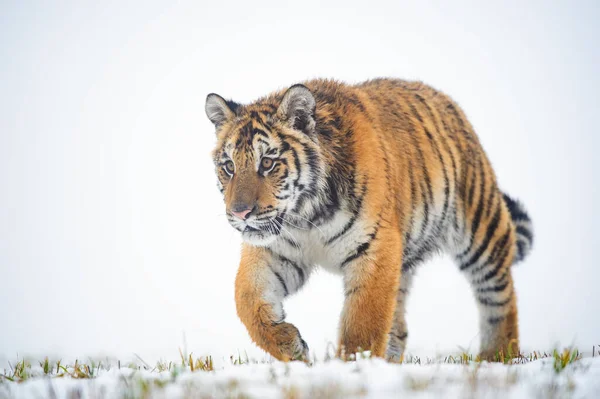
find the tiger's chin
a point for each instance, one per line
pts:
(258, 238)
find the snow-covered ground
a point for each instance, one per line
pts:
(368, 378)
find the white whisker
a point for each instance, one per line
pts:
(281, 228)
(303, 218)
(295, 226)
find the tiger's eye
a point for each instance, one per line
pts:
(266, 163)
(229, 167)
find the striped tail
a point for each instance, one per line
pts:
(523, 226)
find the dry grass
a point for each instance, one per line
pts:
(158, 377)
(22, 369)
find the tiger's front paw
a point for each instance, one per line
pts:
(289, 343)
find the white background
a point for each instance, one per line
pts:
(112, 234)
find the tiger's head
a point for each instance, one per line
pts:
(266, 159)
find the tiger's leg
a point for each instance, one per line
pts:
(371, 288)
(263, 281)
(399, 331)
(487, 265)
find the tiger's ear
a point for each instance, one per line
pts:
(297, 108)
(219, 110)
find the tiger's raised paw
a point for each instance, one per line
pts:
(290, 345)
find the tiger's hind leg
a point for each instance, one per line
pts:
(487, 265)
(399, 331)
(498, 323)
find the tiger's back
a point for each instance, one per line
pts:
(455, 203)
(387, 172)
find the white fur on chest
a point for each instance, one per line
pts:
(314, 248)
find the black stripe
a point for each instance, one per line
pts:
(413, 202)
(490, 302)
(285, 289)
(298, 269)
(520, 249)
(407, 266)
(290, 242)
(426, 176)
(489, 206)
(492, 227)
(360, 250)
(312, 163)
(468, 136)
(399, 336)
(425, 215)
(308, 152)
(267, 210)
(415, 112)
(480, 203)
(503, 277)
(452, 135)
(435, 147)
(413, 258)
(516, 211)
(525, 232)
(328, 207)
(460, 186)
(285, 173)
(259, 140)
(347, 227)
(478, 211)
(259, 116)
(260, 132)
(325, 209)
(448, 150)
(496, 320)
(500, 244)
(455, 175)
(493, 257)
(496, 288)
(472, 188)
(245, 132)
(352, 290)
(499, 264)
(354, 217)
(453, 109)
(233, 106)
(297, 165)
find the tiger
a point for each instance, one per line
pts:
(366, 181)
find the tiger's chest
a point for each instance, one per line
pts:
(327, 245)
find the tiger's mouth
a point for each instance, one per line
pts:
(269, 225)
(263, 231)
(259, 237)
(250, 229)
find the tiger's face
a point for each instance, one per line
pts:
(265, 161)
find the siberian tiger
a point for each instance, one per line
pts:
(365, 181)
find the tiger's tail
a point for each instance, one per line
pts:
(523, 226)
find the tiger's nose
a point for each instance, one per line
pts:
(241, 211)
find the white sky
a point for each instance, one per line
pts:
(112, 233)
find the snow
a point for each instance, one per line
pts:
(368, 378)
